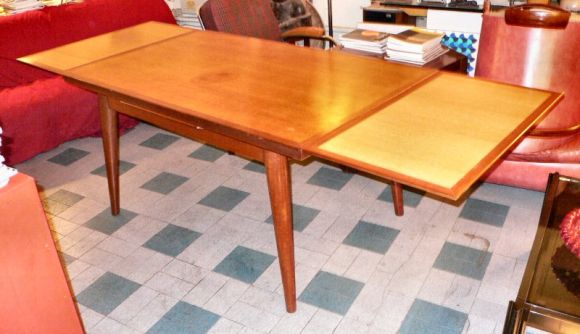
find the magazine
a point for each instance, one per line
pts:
(365, 40)
(414, 40)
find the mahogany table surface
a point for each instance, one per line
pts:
(278, 94)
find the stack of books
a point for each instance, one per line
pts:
(188, 19)
(19, 6)
(365, 40)
(416, 46)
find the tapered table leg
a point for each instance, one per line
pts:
(397, 192)
(110, 130)
(279, 185)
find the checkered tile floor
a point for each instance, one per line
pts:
(193, 249)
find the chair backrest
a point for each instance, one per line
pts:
(253, 18)
(534, 48)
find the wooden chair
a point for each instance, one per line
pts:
(536, 46)
(256, 18)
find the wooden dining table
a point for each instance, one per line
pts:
(274, 102)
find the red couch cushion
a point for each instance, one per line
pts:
(14, 73)
(28, 131)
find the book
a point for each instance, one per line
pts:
(365, 40)
(364, 36)
(187, 19)
(418, 58)
(416, 46)
(383, 27)
(414, 40)
(20, 5)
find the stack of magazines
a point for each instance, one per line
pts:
(416, 46)
(187, 18)
(365, 40)
(19, 6)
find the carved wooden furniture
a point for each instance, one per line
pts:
(33, 288)
(549, 295)
(254, 18)
(432, 130)
(541, 50)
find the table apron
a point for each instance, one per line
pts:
(231, 140)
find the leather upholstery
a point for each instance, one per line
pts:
(539, 58)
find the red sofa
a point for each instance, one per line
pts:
(38, 109)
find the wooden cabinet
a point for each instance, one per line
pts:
(34, 294)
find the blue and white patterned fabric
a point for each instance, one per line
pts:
(464, 43)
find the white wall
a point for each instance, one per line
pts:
(345, 13)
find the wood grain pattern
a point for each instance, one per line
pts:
(280, 190)
(442, 136)
(276, 91)
(110, 129)
(397, 194)
(68, 56)
(190, 129)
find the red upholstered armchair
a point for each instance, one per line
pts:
(536, 46)
(255, 18)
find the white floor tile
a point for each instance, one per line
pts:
(152, 312)
(225, 297)
(206, 289)
(108, 326)
(252, 317)
(131, 306)
(100, 258)
(322, 322)
(141, 265)
(169, 285)
(185, 271)
(225, 326)
(341, 260)
(294, 323)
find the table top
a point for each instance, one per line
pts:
(64, 58)
(434, 131)
(276, 91)
(442, 135)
